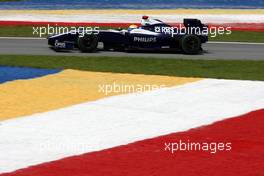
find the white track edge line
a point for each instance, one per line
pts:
(23, 38)
(237, 43)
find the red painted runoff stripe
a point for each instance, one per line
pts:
(240, 152)
(40, 23)
(258, 27)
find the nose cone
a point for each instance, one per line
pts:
(51, 41)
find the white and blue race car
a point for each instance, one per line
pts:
(153, 34)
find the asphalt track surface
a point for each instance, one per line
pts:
(212, 50)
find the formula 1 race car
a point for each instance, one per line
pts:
(153, 34)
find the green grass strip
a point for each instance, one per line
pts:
(241, 36)
(224, 69)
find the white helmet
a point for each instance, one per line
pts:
(145, 20)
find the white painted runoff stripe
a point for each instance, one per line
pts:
(123, 119)
(134, 18)
(236, 43)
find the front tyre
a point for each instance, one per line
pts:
(88, 43)
(191, 44)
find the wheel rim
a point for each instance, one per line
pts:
(87, 41)
(192, 43)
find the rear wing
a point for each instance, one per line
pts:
(193, 23)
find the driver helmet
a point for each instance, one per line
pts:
(145, 20)
(131, 27)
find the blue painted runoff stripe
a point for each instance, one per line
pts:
(8, 73)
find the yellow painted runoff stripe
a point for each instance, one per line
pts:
(136, 12)
(69, 87)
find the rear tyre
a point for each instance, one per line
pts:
(88, 43)
(191, 44)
